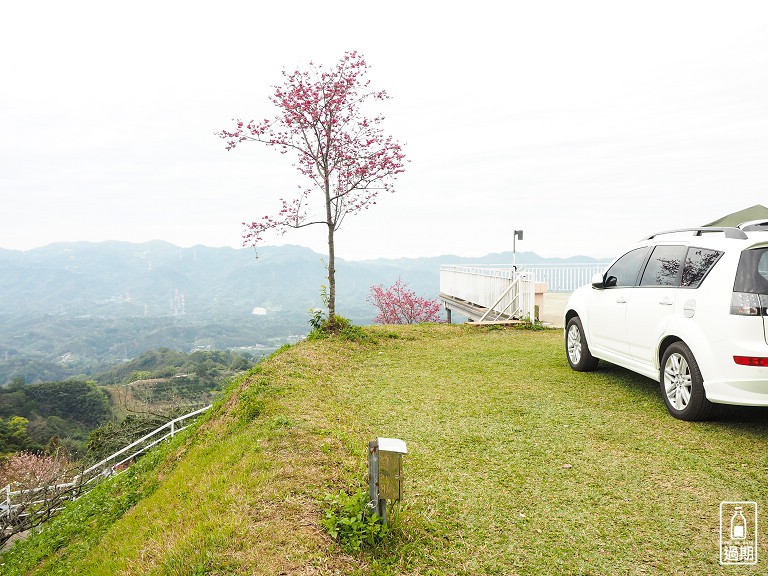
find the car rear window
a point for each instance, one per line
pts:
(752, 273)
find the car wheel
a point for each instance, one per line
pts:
(576, 348)
(682, 385)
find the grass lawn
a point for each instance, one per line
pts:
(516, 465)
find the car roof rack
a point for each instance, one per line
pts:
(754, 225)
(730, 232)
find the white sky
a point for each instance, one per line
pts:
(586, 124)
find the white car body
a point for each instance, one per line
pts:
(633, 325)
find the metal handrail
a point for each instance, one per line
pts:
(515, 284)
(7, 507)
(510, 289)
(146, 437)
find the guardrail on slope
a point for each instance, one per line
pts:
(23, 509)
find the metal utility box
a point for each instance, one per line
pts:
(385, 472)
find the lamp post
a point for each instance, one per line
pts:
(518, 234)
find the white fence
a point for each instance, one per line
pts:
(19, 508)
(501, 291)
(565, 277)
(141, 445)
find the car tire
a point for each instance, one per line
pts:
(576, 347)
(682, 385)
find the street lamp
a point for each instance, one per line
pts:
(517, 235)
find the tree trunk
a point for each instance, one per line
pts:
(331, 276)
(331, 256)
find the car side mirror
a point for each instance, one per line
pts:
(598, 281)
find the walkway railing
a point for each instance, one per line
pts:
(23, 509)
(140, 446)
(565, 277)
(490, 292)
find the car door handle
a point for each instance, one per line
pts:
(666, 301)
(621, 300)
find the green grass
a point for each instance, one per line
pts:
(516, 465)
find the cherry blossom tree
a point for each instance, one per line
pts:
(400, 305)
(344, 153)
(32, 488)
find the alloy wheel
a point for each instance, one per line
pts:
(574, 344)
(677, 381)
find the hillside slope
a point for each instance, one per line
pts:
(516, 465)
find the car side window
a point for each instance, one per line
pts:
(663, 268)
(698, 263)
(626, 269)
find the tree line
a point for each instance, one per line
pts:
(38, 417)
(32, 415)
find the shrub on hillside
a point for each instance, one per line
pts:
(350, 520)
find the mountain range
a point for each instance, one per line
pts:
(68, 308)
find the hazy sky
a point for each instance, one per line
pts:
(586, 124)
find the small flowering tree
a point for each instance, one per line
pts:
(27, 470)
(37, 483)
(344, 154)
(400, 305)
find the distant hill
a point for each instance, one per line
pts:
(115, 279)
(158, 279)
(70, 309)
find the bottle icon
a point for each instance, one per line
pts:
(738, 525)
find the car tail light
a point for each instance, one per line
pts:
(749, 304)
(751, 360)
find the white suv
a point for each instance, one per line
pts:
(688, 308)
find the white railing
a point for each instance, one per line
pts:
(150, 439)
(501, 291)
(19, 504)
(565, 277)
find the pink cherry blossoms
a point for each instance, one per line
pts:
(344, 156)
(400, 305)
